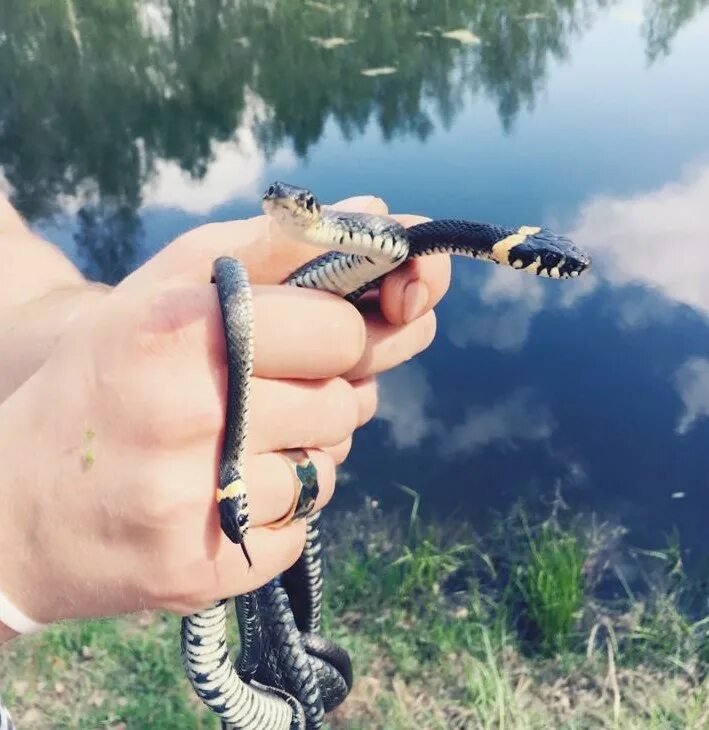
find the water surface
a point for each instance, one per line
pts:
(123, 125)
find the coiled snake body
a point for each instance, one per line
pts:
(287, 675)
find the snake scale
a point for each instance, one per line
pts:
(287, 675)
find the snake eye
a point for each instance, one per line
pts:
(241, 520)
(271, 190)
(309, 203)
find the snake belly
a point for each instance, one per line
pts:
(287, 675)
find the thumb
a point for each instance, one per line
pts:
(268, 254)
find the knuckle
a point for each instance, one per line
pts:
(368, 401)
(152, 432)
(157, 503)
(326, 480)
(294, 545)
(351, 336)
(342, 403)
(341, 451)
(428, 330)
(438, 273)
(175, 319)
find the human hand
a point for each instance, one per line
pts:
(110, 450)
(137, 527)
(400, 324)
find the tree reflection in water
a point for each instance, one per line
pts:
(94, 92)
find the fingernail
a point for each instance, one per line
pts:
(415, 300)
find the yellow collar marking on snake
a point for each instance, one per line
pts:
(237, 488)
(501, 250)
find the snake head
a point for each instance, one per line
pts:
(292, 207)
(547, 254)
(234, 514)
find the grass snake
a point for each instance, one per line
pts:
(287, 675)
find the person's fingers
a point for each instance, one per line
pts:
(328, 414)
(189, 484)
(272, 483)
(274, 549)
(389, 345)
(283, 414)
(269, 255)
(188, 319)
(339, 452)
(175, 333)
(366, 391)
(324, 337)
(416, 287)
(209, 571)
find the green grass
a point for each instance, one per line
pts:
(99, 674)
(438, 625)
(551, 583)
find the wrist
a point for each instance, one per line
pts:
(28, 332)
(34, 268)
(25, 559)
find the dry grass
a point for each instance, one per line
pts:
(435, 635)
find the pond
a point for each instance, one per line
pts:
(122, 124)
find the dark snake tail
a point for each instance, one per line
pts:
(304, 580)
(310, 668)
(328, 664)
(250, 635)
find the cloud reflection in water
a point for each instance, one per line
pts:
(406, 400)
(405, 396)
(659, 239)
(519, 416)
(510, 303)
(692, 383)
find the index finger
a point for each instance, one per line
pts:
(294, 329)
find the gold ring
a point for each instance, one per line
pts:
(305, 487)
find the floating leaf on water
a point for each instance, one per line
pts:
(329, 43)
(462, 35)
(678, 495)
(380, 71)
(320, 6)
